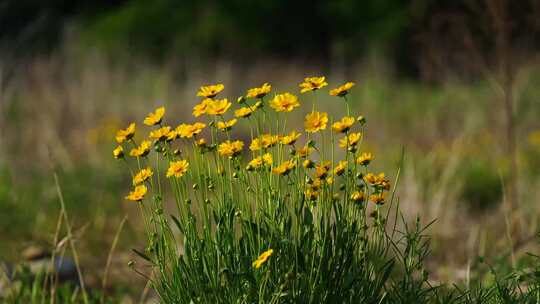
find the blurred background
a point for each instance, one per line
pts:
(455, 84)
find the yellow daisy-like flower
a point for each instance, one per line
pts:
(285, 102)
(312, 84)
(340, 168)
(377, 198)
(177, 168)
(291, 138)
(210, 91)
(304, 151)
(364, 159)
(155, 117)
(188, 131)
(243, 112)
(161, 133)
(378, 181)
(343, 125)
(308, 164)
(125, 134)
(118, 152)
(321, 170)
(257, 162)
(259, 92)
(137, 194)
(315, 121)
(285, 167)
(351, 140)
(262, 258)
(358, 196)
(173, 134)
(227, 125)
(202, 107)
(311, 194)
(342, 90)
(265, 141)
(230, 148)
(218, 107)
(142, 150)
(142, 176)
(201, 142)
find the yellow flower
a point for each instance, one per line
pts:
(258, 104)
(344, 125)
(201, 142)
(137, 194)
(155, 117)
(177, 168)
(315, 121)
(118, 152)
(218, 107)
(358, 196)
(340, 168)
(126, 134)
(284, 168)
(142, 150)
(284, 102)
(321, 170)
(312, 84)
(173, 134)
(210, 91)
(291, 138)
(188, 131)
(265, 141)
(161, 133)
(202, 107)
(243, 112)
(142, 176)
(227, 125)
(377, 198)
(342, 90)
(311, 194)
(304, 151)
(230, 148)
(351, 140)
(364, 159)
(377, 180)
(308, 163)
(262, 258)
(257, 162)
(259, 92)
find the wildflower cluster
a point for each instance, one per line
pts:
(265, 212)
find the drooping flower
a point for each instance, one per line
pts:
(202, 107)
(243, 112)
(285, 167)
(142, 176)
(285, 102)
(155, 117)
(142, 150)
(342, 90)
(262, 258)
(226, 125)
(377, 198)
(315, 121)
(230, 148)
(364, 159)
(358, 196)
(177, 168)
(321, 170)
(291, 138)
(210, 91)
(161, 133)
(312, 84)
(351, 140)
(340, 168)
(137, 194)
(343, 125)
(118, 152)
(259, 92)
(218, 107)
(190, 130)
(125, 134)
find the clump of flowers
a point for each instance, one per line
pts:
(304, 193)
